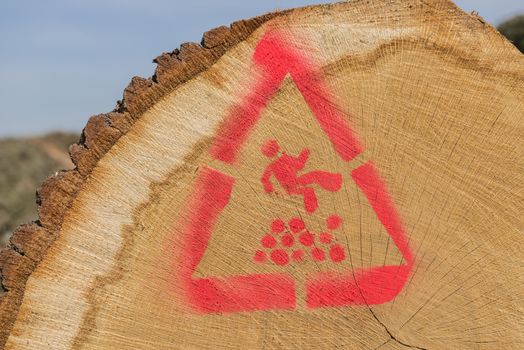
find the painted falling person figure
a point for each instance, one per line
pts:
(281, 240)
(285, 170)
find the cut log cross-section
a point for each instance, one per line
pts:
(336, 176)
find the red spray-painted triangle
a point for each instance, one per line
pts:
(276, 59)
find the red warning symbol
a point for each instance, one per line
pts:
(213, 189)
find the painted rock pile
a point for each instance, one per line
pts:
(294, 242)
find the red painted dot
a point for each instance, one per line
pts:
(268, 241)
(270, 148)
(337, 253)
(279, 257)
(307, 238)
(318, 254)
(260, 256)
(334, 222)
(278, 226)
(296, 225)
(326, 237)
(298, 255)
(288, 240)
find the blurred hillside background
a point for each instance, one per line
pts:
(64, 60)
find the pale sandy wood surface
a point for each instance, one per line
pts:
(434, 97)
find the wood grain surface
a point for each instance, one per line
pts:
(338, 176)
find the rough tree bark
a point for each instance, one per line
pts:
(336, 176)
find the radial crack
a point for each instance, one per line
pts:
(391, 335)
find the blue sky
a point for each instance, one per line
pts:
(62, 61)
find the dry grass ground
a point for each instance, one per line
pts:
(513, 29)
(24, 164)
